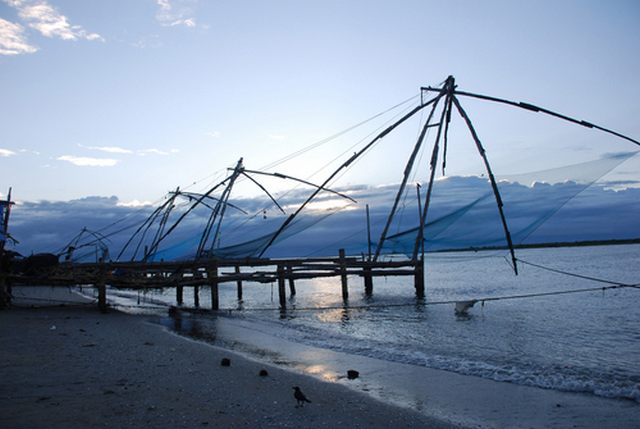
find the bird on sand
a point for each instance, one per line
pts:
(300, 397)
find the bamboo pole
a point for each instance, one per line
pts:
(494, 185)
(407, 172)
(449, 86)
(344, 165)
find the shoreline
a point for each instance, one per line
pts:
(66, 367)
(464, 400)
(154, 356)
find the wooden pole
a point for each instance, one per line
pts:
(281, 290)
(449, 86)
(368, 232)
(212, 274)
(179, 295)
(407, 173)
(239, 283)
(196, 296)
(419, 277)
(292, 285)
(102, 289)
(492, 179)
(345, 165)
(343, 275)
(368, 281)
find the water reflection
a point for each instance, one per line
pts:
(188, 325)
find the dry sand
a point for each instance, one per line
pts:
(77, 368)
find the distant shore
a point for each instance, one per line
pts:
(583, 243)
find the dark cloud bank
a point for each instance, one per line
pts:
(462, 214)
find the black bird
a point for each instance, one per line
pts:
(300, 397)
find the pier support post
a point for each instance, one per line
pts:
(239, 283)
(368, 281)
(102, 289)
(281, 290)
(212, 276)
(5, 296)
(179, 295)
(292, 285)
(196, 296)
(343, 275)
(419, 277)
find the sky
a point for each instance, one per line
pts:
(132, 98)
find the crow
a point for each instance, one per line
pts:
(300, 397)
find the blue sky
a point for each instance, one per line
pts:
(131, 98)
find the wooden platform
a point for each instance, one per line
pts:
(211, 273)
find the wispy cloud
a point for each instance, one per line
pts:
(277, 137)
(213, 134)
(134, 203)
(6, 152)
(108, 149)
(31, 151)
(12, 39)
(172, 13)
(154, 151)
(44, 18)
(82, 161)
(125, 151)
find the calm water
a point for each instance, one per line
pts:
(588, 342)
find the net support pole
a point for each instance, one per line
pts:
(492, 179)
(348, 162)
(407, 172)
(448, 88)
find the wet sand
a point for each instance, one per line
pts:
(68, 367)
(73, 367)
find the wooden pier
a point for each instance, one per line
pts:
(211, 273)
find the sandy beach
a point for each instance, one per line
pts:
(73, 367)
(65, 367)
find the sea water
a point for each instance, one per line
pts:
(584, 342)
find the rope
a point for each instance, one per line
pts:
(580, 276)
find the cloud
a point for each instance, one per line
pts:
(44, 18)
(172, 13)
(124, 151)
(134, 203)
(213, 134)
(6, 152)
(277, 137)
(462, 214)
(88, 162)
(109, 149)
(12, 39)
(154, 151)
